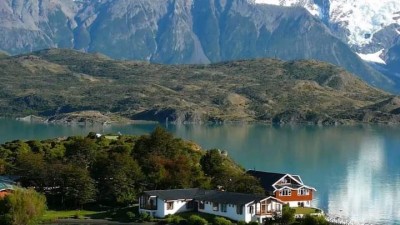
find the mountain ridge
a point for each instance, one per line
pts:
(268, 90)
(177, 32)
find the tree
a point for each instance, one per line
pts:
(81, 151)
(71, 185)
(3, 165)
(32, 169)
(247, 184)
(118, 176)
(22, 207)
(212, 162)
(287, 215)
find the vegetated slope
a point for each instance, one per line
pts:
(53, 82)
(177, 31)
(114, 170)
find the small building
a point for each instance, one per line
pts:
(160, 203)
(285, 187)
(6, 186)
(235, 206)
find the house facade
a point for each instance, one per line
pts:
(235, 206)
(288, 188)
(160, 203)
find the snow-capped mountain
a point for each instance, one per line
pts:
(368, 26)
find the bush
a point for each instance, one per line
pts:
(197, 220)
(287, 215)
(314, 220)
(131, 216)
(221, 221)
(145, 217)
(78, 215)
(253, 223)
(175, 219)
(241, 222)
(22, 207)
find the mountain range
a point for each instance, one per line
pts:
(179, 32)
(370, 28)
(67, 85)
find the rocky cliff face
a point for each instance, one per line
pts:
(176, 31)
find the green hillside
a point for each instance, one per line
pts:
(54, 82)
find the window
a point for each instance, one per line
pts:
(170, 205)
(264, 207)
(239, 209)
(303, 191)
(201, 205)
(215, 206)
(285, 192)
(223, 207)
(190, 205)
(142, 202)
(251, 209)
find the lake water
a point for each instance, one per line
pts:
(355, 169)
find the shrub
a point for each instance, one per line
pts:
(241, 222)
(175, 219)
(221, 221)
(287, 215)
(145, 217)
(314, 220)
(22, 207)
(197, 220)
(78, 215)
(131, 216)
(253, 223)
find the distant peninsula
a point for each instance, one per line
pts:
(55, 84)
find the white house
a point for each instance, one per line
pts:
(235, 206)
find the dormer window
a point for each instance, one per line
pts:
(285, 192)
(303, 191)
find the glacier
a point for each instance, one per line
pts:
(361, 18)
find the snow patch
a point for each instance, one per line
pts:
(374, 57)
(363, 18)
(307, 4)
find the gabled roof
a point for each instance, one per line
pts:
(175, 194)
(269, 180)
(230, 197)
(266, 179)
(297, 177)
(222, 197)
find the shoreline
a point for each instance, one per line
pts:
(43, 120)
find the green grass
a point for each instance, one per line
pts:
(117, 214)
(305, 210)
(52, 215)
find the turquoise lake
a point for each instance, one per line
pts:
(355, 169)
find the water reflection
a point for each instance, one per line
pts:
(365, 196)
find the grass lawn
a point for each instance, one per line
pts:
(305, 210)
(52, 215)
(118, 214)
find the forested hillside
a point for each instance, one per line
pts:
(113, 170)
